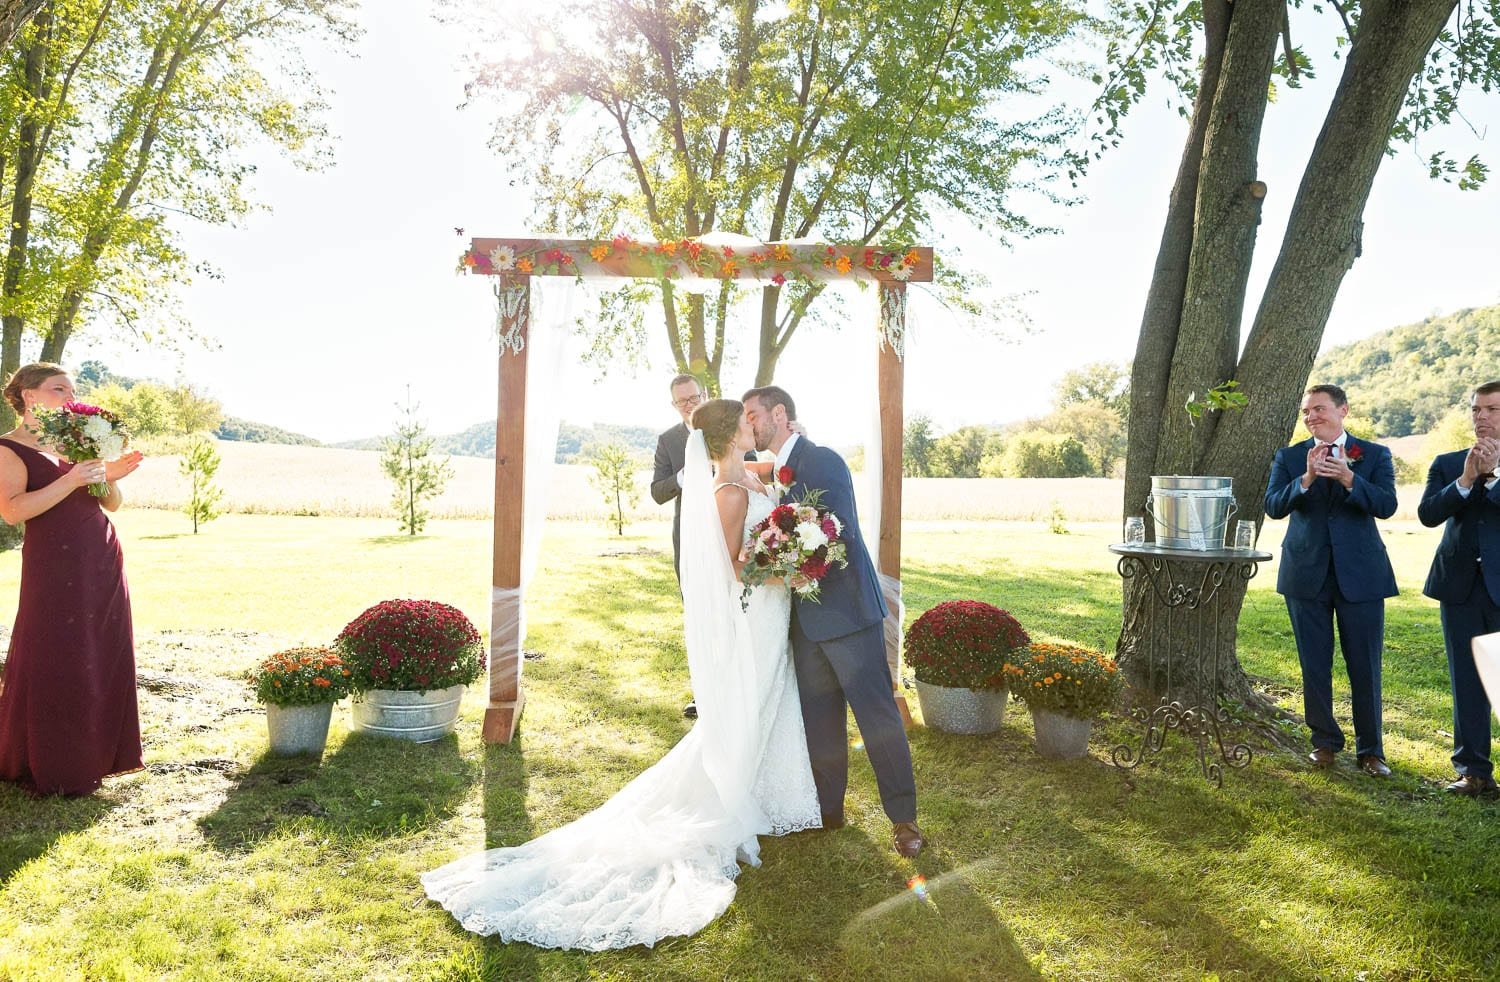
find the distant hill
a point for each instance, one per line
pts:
(245, 431)
(572, 440)
(1407, 378)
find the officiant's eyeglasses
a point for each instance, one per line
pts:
(688, 402)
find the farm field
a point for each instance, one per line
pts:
(284, 479)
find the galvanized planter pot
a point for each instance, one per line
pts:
(299, 729)
(1061, 737)
(961, 710)
(416, 716)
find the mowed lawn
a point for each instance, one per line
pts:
(218, 862)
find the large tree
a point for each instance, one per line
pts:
(118, 120)
(1405, 65)
(777, 120)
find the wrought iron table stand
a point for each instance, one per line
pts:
(1186, 584)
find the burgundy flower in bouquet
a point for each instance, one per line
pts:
(801, 542)
(78, 431)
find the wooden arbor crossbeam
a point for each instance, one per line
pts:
(717, 257)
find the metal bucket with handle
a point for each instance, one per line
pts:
(1191, 512)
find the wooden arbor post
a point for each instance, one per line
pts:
(892, 383)
(506, 696)
(771, 264)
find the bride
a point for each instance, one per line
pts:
(660, 857)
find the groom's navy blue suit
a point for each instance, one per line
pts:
(1334, 566)
(838, 648)
(1465, 579)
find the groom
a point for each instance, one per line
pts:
(838, 644)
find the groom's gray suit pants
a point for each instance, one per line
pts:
(853, 669)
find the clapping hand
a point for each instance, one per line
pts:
(1481, 460)
(1336, 467)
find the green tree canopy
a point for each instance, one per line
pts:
(868, 123)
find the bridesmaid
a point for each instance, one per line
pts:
(68, 706)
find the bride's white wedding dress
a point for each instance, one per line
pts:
(660, 857)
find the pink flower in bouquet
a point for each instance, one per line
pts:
(82, 408)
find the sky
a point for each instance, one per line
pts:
(343, 293)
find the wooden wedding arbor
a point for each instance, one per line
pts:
(717, 257)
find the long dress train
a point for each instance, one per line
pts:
(660, 857)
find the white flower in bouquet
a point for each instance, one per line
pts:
(96, 428)
(112, 447)
(811, 536)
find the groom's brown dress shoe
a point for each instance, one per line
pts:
(908, 837)
(1374, 766)
(1473, 786)
(1322, 757)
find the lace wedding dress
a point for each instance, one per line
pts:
(660, 858)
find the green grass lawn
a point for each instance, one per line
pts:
(218, 862)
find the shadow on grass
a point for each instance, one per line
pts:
(394, 540)
(31, 825)
(370, 787)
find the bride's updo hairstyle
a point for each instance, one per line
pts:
(719, 419)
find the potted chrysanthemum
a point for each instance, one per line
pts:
(1066, 688)
(958, 651)
(411, 660)
(299, 687)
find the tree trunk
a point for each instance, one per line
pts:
(1320, 245)
(13, 17)
(1158, 335)
(1226, 215)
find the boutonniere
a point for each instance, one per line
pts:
(781, 481)
(1354, 452)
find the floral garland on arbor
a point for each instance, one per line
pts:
(776, 262)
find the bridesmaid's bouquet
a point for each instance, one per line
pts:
(800, 541)
(79, 432)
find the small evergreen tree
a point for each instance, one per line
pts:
(614, 477)
(199, 465)
(417, 476)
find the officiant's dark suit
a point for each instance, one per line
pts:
(1465, 580)
(839, 648)
(671, 454)
(1334, 568)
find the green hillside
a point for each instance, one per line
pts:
(1407, 378)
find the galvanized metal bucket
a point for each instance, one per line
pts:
(416, 716)
(1191, 512)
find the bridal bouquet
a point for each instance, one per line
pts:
(799, 541)
(79, 432)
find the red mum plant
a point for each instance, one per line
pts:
(411, 646)
(964, 644)
(301, 677)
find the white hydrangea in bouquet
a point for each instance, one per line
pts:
(800, 541)
(77, 431)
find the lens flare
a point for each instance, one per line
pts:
(918, 886)
(857, 745)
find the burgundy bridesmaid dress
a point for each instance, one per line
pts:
(68, 710)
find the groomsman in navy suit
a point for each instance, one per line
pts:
(1334, 569)
(1463, 496)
